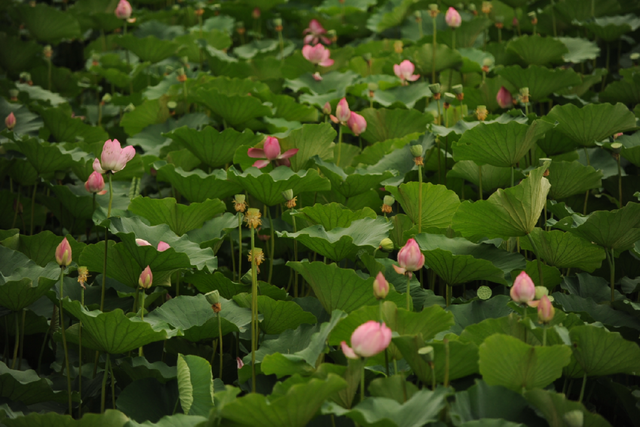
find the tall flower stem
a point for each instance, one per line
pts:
(480, 181)
(420, 199)
(612, 269)
(106, 244)
(22, 325)
(433, 59)
(619, 181)
(80, 354)
(295, 258)
(339, 145)
(104, 384)
(273, 245)
(142, 295)
(544, 336)
(254, 311)
(584, 383)
(553, 18)
(124, 33)
(64, 341)
(362, 382)
(17, 344)
(233, 257)
(409, 291)
(446, 362)
(239, 245)
(220, 335)
(453, 39)
(33, 206)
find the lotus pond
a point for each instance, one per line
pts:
(299, 213)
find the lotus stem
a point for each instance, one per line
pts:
(512, 177)
(239, 245)
(295, 258)
(584, 383)
(439, 155)
(124, 33)
(612, 274)
(409, 291)
(142, 295)
(254, 310)
(17, 342)
(619, 181)
(480, 181)
(553, 18)
(233, 257)
(433, 375)
(99, 114)
(449, 292)
(273, 244)
(113, 385)
(281, 40)
(33, 206)
(446, 362)
(221, 352)
(104, 384)
(453, 39)
(499, 35)
(80, 352)
(24, 315)
(339, 144)
(544, 336)
(64, 341)
(433, 59)
(439, 120)
(362, 381)
(420, 200)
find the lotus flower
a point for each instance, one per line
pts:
(343, 113)
(123, 11)
(146, 278)
(114, 157)
(95, 183)
(452, 18)
(504, 98)
(271, 152)
(357, 123)
(10, 121)
(545, 310)
(380, 286)
(404, 71)
(314, 33)
(63, 253)
(409, 258)
(367, 340)
(523, 289)
(318, 55)
(239, 363)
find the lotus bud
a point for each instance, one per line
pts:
(523, 289)
(386, 245)
(326, 109)
(287, 194)
(163, 246)
(63, 253)
(545, 310)
(410, 258)
(342, 111)
(416, 150)
(47, 51)
(452, 18)
(541, 291)
(357, 123)
(10, 121)
(255, 14)
(534, 18)
(426, 354)
(239, 363)
(398, 46)
(504, 98)
(574, 418)
(370, 338)
(123, 11)
(515, 22)
(380, 287)
(484, 292)
(95, 183)
(129, 108)
(146, 278)
(435, 89)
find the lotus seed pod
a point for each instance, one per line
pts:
(213, 297)
(574, 418)
(277, 22)
(457, 89)
(129, 108)
(449, 97)
(435, 88)
(634, 56)
(484, 293)
(541, 291)
(287, 194)
(389, 200)
(416, 150)
(172, 105)
(386, 244)
(426, 353)
(106, 98)
(372, 87)
(616, 147)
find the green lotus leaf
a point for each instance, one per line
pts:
(590, 287)
(110, 418)
(421, 409)
(331, 82)
(234, 109)
(617, 229)
(483, 403)
(536, 50)
(340, 289)
(392, 387)
(591, 310)
(581, 11)
(497, 144)
(611, 28)
(591, 123)
(507, 361)
(438, 203)
(508, 325)
(333, 215)
(402, 95)
(180, 218)
(214, 148)
(18, 55)
(310, 140)
(64, 128)
(26, 121)
(148, 113)
(555, 142)
(44, 156)
(541, 81)
(288, 108)
(473, 60)
(213, 232)
(303, 361)
(485, 95)
(216, 282)
(278, 316)
(357, 182)
(197, 186)
(28, 387)
(138, 368)
(626, 92)
(463, 358)
(445, 58)
(579, 50)
(40, 248)
(48, 24)
(513, 212)
(268, 187)
(630, 147)
(335, 7)
(555, 406)
(293, 403)
(195, 385)
(214, 38)
(493, 177)
(148, 402)
(565, 250)
(150, 48)
(389, 15)
(478, 310)
(340, 243)
(458, 269)
(112, 332)
(383, 124)
(571, 178)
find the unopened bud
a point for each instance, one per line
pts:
(386, 244)
(326, 109)
(10, 121)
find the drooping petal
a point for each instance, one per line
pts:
(97, 167)
(261, 164)
(288, 153)
(348, 351)
(256, 153)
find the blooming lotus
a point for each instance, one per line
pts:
(318, 55)
(271, 152)
(123, 11)
(367, 340)
(452, 18)
(314, 33)
(404, 71)
(113, 158)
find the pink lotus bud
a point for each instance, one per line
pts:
(146, 278)
(327, 108)
(239, 362)
(380, 286)
(342, 111)
(114, 157)
(318, 55)
(357, 123)
(545, 310)
(256, 13)
(452, 18)
(10, 121)
(409, 257)
(367, 340)
(515, 22)
(317, 77)
(272, 148)
(404, 71)
(63, 253)
(504, 98)
(523, 289)
(95, 183)
(123, 11)
(162, 246)
(142, 242)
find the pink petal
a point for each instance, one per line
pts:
(307, 51)
(348, 351)
(308, 39)
(288, 153)
(97, 167)
(413, 78)
(256, 153)
(327, 62)
(325, 40)
(316, 27)
(397, 71)
(399, 270)
(261, 164)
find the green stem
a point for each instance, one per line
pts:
(619, 182)
(273, 245)
(254, 310)
(33, 207)
(295, 258)
(221, 353)
(99, 113)
(124, 33)
(17, 344)
(512, 176)
(22, 325)
(535, 250)
(233, 257)
(584, 383)
(544, 336)
(453, 39)
(104, 384)
(239, 245)
(64, 341)
(500, 35)
(439, 155)
(408, 292)
(142, 295)
(49, 73)
(80, 354)
(446, 362)
(339, 144)
(420, 199)
(480, 181)
(281, 40)
(449, 289)
(433, 59)
(113, 386)
(612, 274)
(362, 382)
(553, 19)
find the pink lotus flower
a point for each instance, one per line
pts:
(380, 287)
(545, 310)
(404, 71)
(318, 55)
(523, 289)
(314, 33)
(515, 22)
(142, 242)
(256, 13)
(452, 18)
(63, 253)
(162, 246)
(409, 258)
(343, 113)
(113, 158)
(95, 183)
(10, 121)
(239, 362)
(146, 278)
(504, 98)
(367, 340)
(271, 152)
(123, 11)
(357, 123)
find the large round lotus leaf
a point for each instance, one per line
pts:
(48, 24)
(583, 10)
(445, 58)
(541, 81)
(571, 178)
(392, 13)
(493, 177)
(311, 140)
(197, 185)
(611, 28)
(579, 50)
(438, 203)
(354, 183)
(28, 387)
(556, 408)
(536, 50)
(383, 124)
(332, 215)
